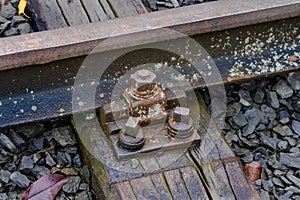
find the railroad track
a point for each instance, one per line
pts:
(246, 40)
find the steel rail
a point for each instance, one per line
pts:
(38, 69)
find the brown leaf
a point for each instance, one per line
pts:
(45, 188)
(253, 170)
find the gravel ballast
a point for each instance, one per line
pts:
(29, 152)
(11, 23)
(270, 134)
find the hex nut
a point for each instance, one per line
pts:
(143, 80)
(181, 114)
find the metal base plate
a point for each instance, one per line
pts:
(157, 141)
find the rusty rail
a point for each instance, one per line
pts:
(51, 59)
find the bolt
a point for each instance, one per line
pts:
(143, 80)
(181, 114)
(132, 127)
(133, 137)
(180, 124)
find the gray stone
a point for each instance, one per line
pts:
(245, 98)
(269, 142)
(14, 3)
(31, 130)
(287, 104)
(290, 159)
(72, 185)
(275, 164)
(261, 127)
(283, 145)
(278, 173)
(266, 185)
(285, 180)
(292, 142)
(294, 180)
(294, 80)
(296, 116)
(268, 112)
(283, 130)
(3, 196)
(4, 26)
(284, 117)
(253, 118)
(283, 89)
(36, 157)
(248, 158)
(249, 85)
(84, 186)
(3, 20)
(84, 196)
(257, 182)
(296, 127)
(231, 137)
(277, 182)
(265, 195)
(76, 161)
(152, 4)
(7, 143)
(286, 196)
(233, 109)
(4, 175)
(63, 159)
(64, 136)
(39, 171)
(295, 149)
(296, 106)
(16, 138)
(38, 143)
(273, 100)
(16, 20)
(11, 32)
(49, 160)
(8, 11)
(239, 120)
(259, 96)
(26, 164)
(19, 179)
(24, 28)
(292, 189)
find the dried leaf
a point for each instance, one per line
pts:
(253, 170)
(21, 8)
(45, 188)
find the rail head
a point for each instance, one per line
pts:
(48, 46)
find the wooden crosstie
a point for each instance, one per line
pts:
(63, 13)
(195, 175)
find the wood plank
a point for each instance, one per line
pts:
(139, 6)
(123, 8)
(73, 12)
(176, 185)
(193, 183)
(94, 10)
(46, 14)
(161, 186)
(149, 163)
(124, 190)
(242, 189)
(107, 9)
(214, 175)
(144, 188)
